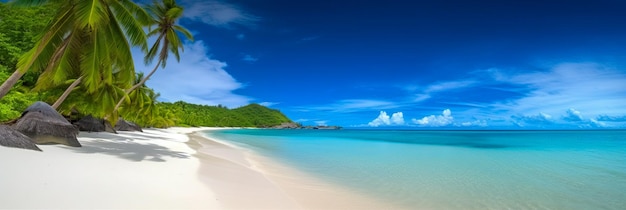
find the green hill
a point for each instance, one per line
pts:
(253, 115)
(260, 116)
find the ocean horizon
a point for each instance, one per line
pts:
(456, 169)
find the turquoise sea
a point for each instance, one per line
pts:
(457, 169)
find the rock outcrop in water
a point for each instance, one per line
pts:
(292, 125)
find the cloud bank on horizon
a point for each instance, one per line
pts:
(331, 70)
(569, 95)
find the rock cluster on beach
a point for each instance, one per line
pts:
(42, 124)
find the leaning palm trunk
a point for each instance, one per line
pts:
(10, 82)
(164, 15)
(128, 91)
(66, 93)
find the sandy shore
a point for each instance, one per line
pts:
(160, 169)
(129, 170)
(253, 181)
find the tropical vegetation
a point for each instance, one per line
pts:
(75, 54)
(253, 115)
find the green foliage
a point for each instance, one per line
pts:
(12, 105)
(22, 24)
(89, 39)
(101, 56)
(10, 52)
(252, 115)
(19, 27)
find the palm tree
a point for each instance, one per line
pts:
(140, 97)
(165, 15)
(143, 110)
(88, 38)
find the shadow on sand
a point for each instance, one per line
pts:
(127, 147)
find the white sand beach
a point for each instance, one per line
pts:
(159, 169)
(245, 180)
(129, 170)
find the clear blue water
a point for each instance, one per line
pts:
(457, 169)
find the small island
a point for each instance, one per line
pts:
(292, 125)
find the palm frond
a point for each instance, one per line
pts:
(184, 31)
(91, 14)
(140, 14)
(90, 63)
(121, 55)
(174, 13)
(153, 50)
(133, 28)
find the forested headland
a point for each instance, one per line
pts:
(107, 90)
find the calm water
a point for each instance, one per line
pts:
(458, 169)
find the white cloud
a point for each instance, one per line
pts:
(268, 104)
(397, 118)
(480, 123)
(573, 116)
(429, 90)
(436, 121)
(591, 87)
(218, 13)
(249, 58)
(539, 119)
(351, 105)
(421, 97)
(450, 85)
(612, 118)
(597, 123)
(384, 119)
(196, 79)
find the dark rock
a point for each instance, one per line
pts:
(289, 125)
(10, 137)
(123, 125)
(92, 124)
(45, 125)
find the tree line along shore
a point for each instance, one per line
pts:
(66, 61)
(24, 27)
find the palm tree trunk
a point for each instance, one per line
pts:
(10, 82)
(119, 103)
(145, 79)
(67, 93)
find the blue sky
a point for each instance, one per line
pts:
(400, 63)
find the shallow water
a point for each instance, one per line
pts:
(457, 169)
